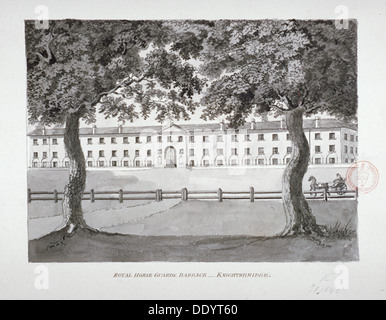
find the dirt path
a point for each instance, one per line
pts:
(101, 218)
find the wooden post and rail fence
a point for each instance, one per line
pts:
(185, 195)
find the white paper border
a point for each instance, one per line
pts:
(95, 281)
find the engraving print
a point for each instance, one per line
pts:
(192, 141)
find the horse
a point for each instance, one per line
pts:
(315, 186)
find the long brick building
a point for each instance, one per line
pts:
(204, 145)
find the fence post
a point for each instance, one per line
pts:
(220, 195)
(56, 196)
(92, 196)
(325, 194)
(158, 195)
(252, 194)
(29, 196)
(184, 194)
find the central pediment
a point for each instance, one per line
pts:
(173, 128)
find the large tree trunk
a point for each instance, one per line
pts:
(300, 220)
(73, 193)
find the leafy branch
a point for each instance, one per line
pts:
(49, 58)
(127, 82)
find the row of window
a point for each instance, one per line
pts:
(45, 164)
(206, 152)
(45, 142)
(332, 160)
(352, 138)
(192, 139)
(192, 163)
(138, 163)
(45, 155)
(126, 164)
(351, 150)
(332, 148)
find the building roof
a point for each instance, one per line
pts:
(259, 126)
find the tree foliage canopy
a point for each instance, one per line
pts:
(260, 66)
(130, 68)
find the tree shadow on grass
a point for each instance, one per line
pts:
(104, 247)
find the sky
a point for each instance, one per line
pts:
(102, 122)
(195, 119)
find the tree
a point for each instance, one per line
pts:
(291, 68)
(126, 68)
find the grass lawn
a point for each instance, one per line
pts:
(231, 218)
(229, 179)
(84, 247)
(207, 232)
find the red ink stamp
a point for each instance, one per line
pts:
(363, 176)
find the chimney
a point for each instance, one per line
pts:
(253, 124)
(282, 123)
(222, 125)
(94, 127)
(317, 122)
(44, 131)
(120, 129)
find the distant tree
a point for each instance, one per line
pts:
(126, 68)
(291, 68)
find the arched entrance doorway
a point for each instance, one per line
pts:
(171, 157)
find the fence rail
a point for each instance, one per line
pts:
(185, 195)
